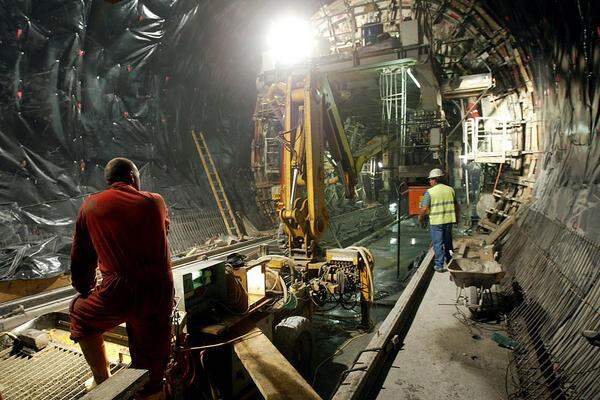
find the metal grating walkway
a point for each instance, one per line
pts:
(53, 373)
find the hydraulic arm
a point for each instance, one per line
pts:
(313, 123)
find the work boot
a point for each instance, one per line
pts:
(95, 354)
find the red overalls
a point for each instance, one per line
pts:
(123, 231)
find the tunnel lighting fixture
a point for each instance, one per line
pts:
(413, 241)
(379, 164)
(413, 78)
(290, 40)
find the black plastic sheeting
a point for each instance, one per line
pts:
(84, 81)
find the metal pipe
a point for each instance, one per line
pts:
(294, 184)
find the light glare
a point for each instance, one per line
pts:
(290, 40)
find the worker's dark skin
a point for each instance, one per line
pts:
(425, 210)
(134, 180)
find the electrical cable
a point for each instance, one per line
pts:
(367, 259)
(338, 351)
(470, 323)
(289, 262)
(221, 344)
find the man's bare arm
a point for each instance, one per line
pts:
(422, 214)
(83, 258)
(164, 211)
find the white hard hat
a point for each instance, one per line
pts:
(435, 173)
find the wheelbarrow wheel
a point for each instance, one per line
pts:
(473, 299)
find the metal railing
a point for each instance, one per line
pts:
(193, 227)
(489, 140)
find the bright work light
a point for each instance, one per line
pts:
(290, 40)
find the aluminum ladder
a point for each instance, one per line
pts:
(216, 185)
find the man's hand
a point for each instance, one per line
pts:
(422, 214)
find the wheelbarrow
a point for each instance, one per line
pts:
(477, 277)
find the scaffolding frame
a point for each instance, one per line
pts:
(392, 88)
(489, 145)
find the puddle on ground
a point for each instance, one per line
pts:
(333, 329)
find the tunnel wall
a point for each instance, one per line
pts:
(551, 253)
(83, 81)
(560, 42)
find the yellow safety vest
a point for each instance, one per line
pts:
(441, 209)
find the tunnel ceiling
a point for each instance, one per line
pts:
(83, 81)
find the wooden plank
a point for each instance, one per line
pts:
(487, 224)
(463, 248)
(502, 229)
(273, 375)
(232, 320)
(369, 366)
(15, 289)
(520, 181)
(120, 386)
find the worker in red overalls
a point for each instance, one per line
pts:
(123, 232)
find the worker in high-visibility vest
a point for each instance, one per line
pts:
(439, 202)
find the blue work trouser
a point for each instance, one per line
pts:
(441, 236)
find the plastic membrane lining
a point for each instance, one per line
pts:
(84, 81)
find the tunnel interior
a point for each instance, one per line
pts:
(84, 81)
